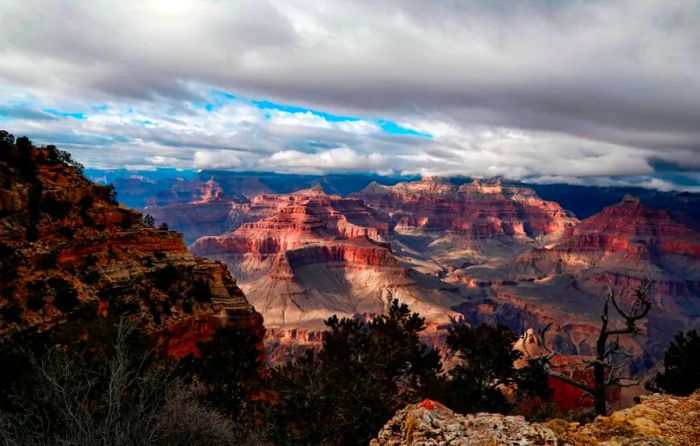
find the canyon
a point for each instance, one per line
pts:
(481, 250)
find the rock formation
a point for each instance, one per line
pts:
(466, 224)
(430, 423)
(659, 420)
(69, 250)
(317, 255)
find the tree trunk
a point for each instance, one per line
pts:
(599, 390)
(599, 366)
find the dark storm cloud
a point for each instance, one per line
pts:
(558, 89)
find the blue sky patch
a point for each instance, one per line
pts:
(393, 127)
(330, 117)
(66, 114)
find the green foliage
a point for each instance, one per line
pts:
(61, 156)
(90, 275)
(149, 221)
(7, 145)
(361, 376)
(67, 232)
(681, 374)
(11, 312)
(55, 208)
(229, 364)
(164, 226)
(106, 192)
(487, 357)
(86, 202)
(47, 260)
(533, 380)
(23, 158)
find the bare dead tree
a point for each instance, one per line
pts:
(606, 371)
(126, 403)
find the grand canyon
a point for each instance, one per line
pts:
(482, 250)
(328, 223)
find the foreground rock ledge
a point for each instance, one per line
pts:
(430, 423)
(659, 420)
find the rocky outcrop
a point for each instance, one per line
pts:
(319, 254)
(481, 209)
(659, 420)
(439, 226)
(620, 246)
(70, 251)
(429, 423)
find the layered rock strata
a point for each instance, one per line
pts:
(69, 250)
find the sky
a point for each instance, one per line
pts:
(590, 92)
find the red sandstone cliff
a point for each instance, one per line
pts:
(618, 248)
(480, 209)
(69, 250)
(448, 225)
(317, 255)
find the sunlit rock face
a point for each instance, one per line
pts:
(76, 253)
(320, 254)
(458, 225)
(480, 209)
(657, 420)
(484, 250)
(622, 245)
(431, 423)
(614, 250)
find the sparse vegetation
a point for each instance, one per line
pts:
(149, 221)
(118, 399)
(485, 367)
(8, 260)
(166, 276)
(681, 372)
(11, 312)
(201, 291)
(607, 365)
(47, 260)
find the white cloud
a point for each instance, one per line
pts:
(574, 89)
(332, 160)
(219, 159)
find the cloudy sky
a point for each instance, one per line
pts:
(588, 91)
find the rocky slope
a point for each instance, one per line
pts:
(617, 248)
(456, 225)
(68, 251)
(319, 254)
(624, 242)
(658, 420)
